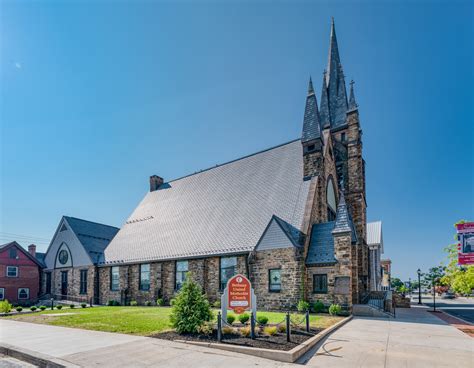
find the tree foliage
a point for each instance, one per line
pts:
(191, 308)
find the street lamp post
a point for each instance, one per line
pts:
(419, 286)
(434, 295)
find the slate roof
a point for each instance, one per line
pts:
(93, 236)
(311, 123)
(374, 233)
(222, 210)
(40, 258)
(321, 246)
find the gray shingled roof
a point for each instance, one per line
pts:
(221, 210)
(93, 236)
(321, 246)
(311, 123)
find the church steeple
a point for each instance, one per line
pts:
(324, 109)
(311, 122)
(352, 102)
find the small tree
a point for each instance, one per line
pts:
(190, 308)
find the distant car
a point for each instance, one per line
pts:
(448, 295)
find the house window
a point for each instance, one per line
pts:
(114, 278)
(320, 284)
(13, 253)
(12, 271)
(274, 282)
(145, 277)
(181, 271)
(343, 137)
(2, 293)
(83, 284)
(310, 148)
(228, 268)
(23, 293)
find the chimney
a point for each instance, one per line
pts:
(155, 182)
(32, 250)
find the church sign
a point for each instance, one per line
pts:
(466, 243)
(239, 297)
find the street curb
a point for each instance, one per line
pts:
(452, 316)
(283, 356)
(39, 359)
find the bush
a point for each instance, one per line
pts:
(72, 306)
(230, 319)
(245, 331)
(160, 302)
(228, 330)
(334, 309)
(190, 308)
(148, 303)
(216, 304)
(262, 320)
(318, 307)
(33, 308)
(172, 301)
(206, 328)
(83, 305)
(19, 309)
(243, 318)
(59, 307)
(133, 303)
(113, 303)
(303, 306)
(42, 307)
(282, 328)
(270, 330)
(5, 306)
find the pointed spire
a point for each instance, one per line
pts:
(352, 102)
(311, 122)
(343, 221)
(333, 57)
(340, 101)
(324, 107)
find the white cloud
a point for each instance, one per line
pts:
(17, 65)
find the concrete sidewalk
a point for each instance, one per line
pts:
(92, 348)
(415, 338)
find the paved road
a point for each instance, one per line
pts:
(459, 307)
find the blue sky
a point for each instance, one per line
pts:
(96, 96)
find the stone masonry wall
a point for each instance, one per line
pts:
(74, 282)
(289, 260)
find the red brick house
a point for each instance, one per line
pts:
(19, 273)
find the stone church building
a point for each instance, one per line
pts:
(291, 217)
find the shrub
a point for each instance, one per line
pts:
(318, 307)
(230, 319)
(5, 306)
(206, 328)
(270, 330)
(113, 303)
(228, 330)
(172, 301)
(282, 328)
(262, 320)
(133, 303)
(83, 305)
(216, 304)
(59, 307)
(33, 308)
(190, 308)
(302, 306)
(334, 309)
(243, 318)
(160, 302)
(148, 303)
(245, 331)
(42, 307)
(19, 309)
(72, 306)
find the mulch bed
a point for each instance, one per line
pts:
(276, 342)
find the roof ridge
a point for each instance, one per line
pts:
(234, 160)
(91, 222)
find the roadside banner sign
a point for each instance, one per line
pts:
(465, 243)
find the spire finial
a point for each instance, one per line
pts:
(310, 86)
(352, 102)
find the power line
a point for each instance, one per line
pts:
(22, 236)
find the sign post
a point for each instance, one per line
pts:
(238, 296)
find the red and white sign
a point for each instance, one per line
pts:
(466, 243)
(239, 294)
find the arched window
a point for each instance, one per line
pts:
(331, 200)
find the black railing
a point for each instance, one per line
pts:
(68, 298)
(381, 300)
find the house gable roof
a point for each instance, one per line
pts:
(221, 210)
(23, 250)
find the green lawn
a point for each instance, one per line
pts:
(143, 321)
